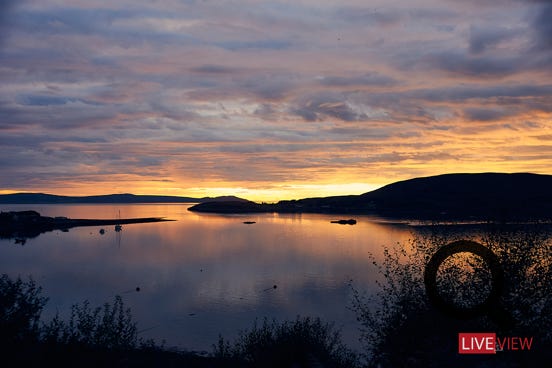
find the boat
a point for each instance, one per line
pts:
(344, 222)
(118, 227)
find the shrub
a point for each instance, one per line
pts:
(110, 327)
(20, 309)
(400, 327)
(305, 342)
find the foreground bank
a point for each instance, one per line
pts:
(107, 336)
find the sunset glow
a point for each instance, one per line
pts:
(269, 100)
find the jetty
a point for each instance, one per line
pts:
(29, 224)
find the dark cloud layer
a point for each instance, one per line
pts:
(483, 39)
(543, 27)
(6, 7)
(324, 106)
(369, 79)
(368, 16)
(464, 65)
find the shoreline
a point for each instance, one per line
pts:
(29, 224)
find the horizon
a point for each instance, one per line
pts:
(270, 201)
(229, 194)
(269, 100)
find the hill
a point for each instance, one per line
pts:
(41, 198)
(482, 196)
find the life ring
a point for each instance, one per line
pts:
(430, 279)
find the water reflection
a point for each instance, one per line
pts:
(203, 274)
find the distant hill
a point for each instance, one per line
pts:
(41, 198)
(234, 207)
(494, 196)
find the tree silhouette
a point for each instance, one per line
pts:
(400, 327)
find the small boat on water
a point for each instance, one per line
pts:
(344, 222)
(118, 227)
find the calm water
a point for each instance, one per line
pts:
(204, 275)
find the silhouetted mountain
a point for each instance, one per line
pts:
(461, 195)
(222, 199)
(41, 198)
(482, 196)
(232, 207)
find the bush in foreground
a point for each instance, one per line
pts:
(305, 342)
(109, 327)
(400, 327)
(107, 336)
(20, 309)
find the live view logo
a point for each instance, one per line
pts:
(488, 343)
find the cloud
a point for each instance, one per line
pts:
(484, 114)
(45, 100)
(544, 137)
(368, 79)
(6, 8)
(462, 65)
(542, 27)
(485, 92)
(326, 106)
(368, 16)
(482, 39)
(270, 44)
(213, 69)
(313, 91)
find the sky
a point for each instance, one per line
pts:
(269, 100)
